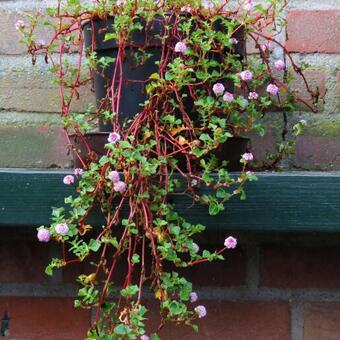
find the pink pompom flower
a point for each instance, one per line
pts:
(181, 47)
(41, 42)
(207, 4)
(280, 65)
(193, 297)
(201, 311)
(230, 242)
(246, 75)
(228, 97)
(196, 247)
(248, 156)
(119, 186)
(253, 95)
(248, 5)
(272, 89)
(114, 176)
(69, 179)
(114, 138)
(218, 89)
(20, 24)
(43, 235)
(144, 337)
(61, 229)
(186, 8)
(78, 171)
(120, 2)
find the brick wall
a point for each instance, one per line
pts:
(275, 286)
(278, 286)
(29, 105)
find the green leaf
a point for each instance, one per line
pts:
(94, 245)
(135, 259)
(122, 329)
(129, 291)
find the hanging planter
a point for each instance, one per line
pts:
(137, 74)
(176, 91)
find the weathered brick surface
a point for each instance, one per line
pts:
(316, 82)
(322, 321)
(338, 87)
(23, 261)
(317, 153)
(35, 147)
(235, 320)
(44, 318)
(300, 267)
(314, 31)
(231, 272)
(33, 93)
(9, 36)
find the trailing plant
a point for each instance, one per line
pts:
(207, 89)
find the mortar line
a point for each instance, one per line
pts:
(297, 320)
(253, 267)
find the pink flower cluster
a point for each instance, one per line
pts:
(181, 47)
(248, 156)
(230, 242)
(43, 235)
(280, 65)
(20, 24)
(201, 311)
(144, 337)
(114, 138)
(196, 247)
(246, 75)
(248, 5)
(272, 89)
(193, 297)
(61, 229)
(228, 97)
(207, 4)
(78, 171)
(68, 180)
(118, 185)
(253, 96)
(218, 89)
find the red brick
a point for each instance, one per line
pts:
(300, 267)
(230, 272)
(317, 82)
(33, 147)
(44, 318)
(30, 91)
(317, 153)
(322, 321)
(22, 261)
(235, 321)
(314, 31)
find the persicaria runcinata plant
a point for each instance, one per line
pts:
(202, 91)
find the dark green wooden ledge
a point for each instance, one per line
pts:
(294, 201)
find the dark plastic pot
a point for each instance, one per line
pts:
(133, 94)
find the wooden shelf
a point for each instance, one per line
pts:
(292, 201)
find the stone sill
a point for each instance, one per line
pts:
(291, 201)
